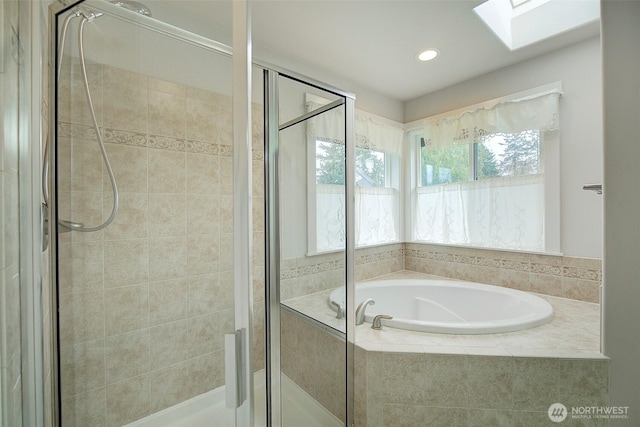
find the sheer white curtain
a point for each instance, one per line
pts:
(503, 213)
(378, 208)
(376, 211)
(330, 217)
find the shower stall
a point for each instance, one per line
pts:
(171, 240)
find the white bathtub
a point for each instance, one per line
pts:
(450, 307)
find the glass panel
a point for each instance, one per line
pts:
(313, 256)
(144, 300)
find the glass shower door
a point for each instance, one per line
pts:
(144, 223)
(309, 255)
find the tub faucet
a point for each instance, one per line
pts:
(377, 321)
(339, 309)
(361, 308)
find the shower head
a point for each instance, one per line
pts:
(133, 6)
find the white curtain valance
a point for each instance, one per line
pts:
(370, 133)
(540, 112)
(378, 136)
(328, 126)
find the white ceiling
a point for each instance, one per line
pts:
(373, 43)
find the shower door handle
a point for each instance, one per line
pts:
(233, 372)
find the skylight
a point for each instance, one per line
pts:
(519, 23)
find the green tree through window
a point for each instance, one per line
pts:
(330, 161)
(330, 165)
(496, 155)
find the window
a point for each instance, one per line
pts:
(371, 168)
(330, 165)
(377, 170)
(376, 204)
(495, 155)
(489, 177)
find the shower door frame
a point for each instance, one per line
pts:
(243, 317)
(272, 128)
(272, 295)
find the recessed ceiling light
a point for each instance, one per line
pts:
(428, 55)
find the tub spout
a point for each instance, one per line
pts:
(339, 309)
(361, 308)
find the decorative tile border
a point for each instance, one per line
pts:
(161, 142)
(115, 136)
(581, 273)
(166, 143)
(555, 266)
(380, 253)
(569, 277)
(202, 147)
(306, 270)
(72, 130)
(319, 263)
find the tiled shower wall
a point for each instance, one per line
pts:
(144, 303)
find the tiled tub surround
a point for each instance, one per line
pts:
(407, 378)
(395, 389)
(311, 357)
(573, 332)
(144, 303)
(563, 276)
(315, 361)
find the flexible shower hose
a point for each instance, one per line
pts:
(74, 226)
